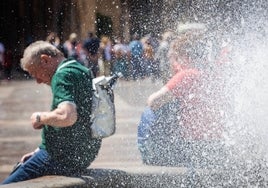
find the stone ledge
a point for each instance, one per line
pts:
(48, 181)
(92, 178)
(150, 176)
(104, 178)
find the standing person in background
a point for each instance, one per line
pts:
(121, 57)
(72, 47)
(161, 56)
(83, 54)
(2, 55)
(149, 64)
(136, 56)
(106, 55)
(54, 39)
(67, 147)
(7, 63)
(90, 35)
(91, 50)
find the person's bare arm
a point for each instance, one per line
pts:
(158, 98)
(63, 116)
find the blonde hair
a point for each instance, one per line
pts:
(53, 38)
(33, 52)
(105, 40)
(186, 44)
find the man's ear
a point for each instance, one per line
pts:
(45, 59)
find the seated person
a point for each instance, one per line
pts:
(181, 125)
(67, 147)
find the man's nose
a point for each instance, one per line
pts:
(38, 81)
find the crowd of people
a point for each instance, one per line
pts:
(183, 121)
(105, 56)
(138, 58)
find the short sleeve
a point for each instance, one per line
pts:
(175, 81)
(182, 81)
(63, 88)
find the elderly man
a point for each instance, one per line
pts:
(67, 147)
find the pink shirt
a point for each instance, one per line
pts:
(197, 118)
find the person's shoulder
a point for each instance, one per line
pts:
(70, 65)
(72, 73)
(191, 73)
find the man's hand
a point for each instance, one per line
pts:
(26, 157)
(158, 98)
(35, 118)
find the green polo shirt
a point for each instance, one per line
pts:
(72, 146)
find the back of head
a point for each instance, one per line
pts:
(189, 44)
(167, 36)
(92, 45)
(52, 37)
(33, 52)
(73, 37)
(105, 40)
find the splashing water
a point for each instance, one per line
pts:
(245, 91)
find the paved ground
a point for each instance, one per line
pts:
(19, 98)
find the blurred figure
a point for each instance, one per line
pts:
(165, 106)
(149, 66)
(91, 49)
(121, 58)
(7, 64)
(72, 47)
(83, 54)
(182, 120)
(53, 39)
(2, 52)
(106, 55)
(161, 55)
(90, 35)
(136, 53)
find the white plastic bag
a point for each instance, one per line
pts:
(103, 109)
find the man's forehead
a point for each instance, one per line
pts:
(31, 65)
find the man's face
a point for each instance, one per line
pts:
(40, 73)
